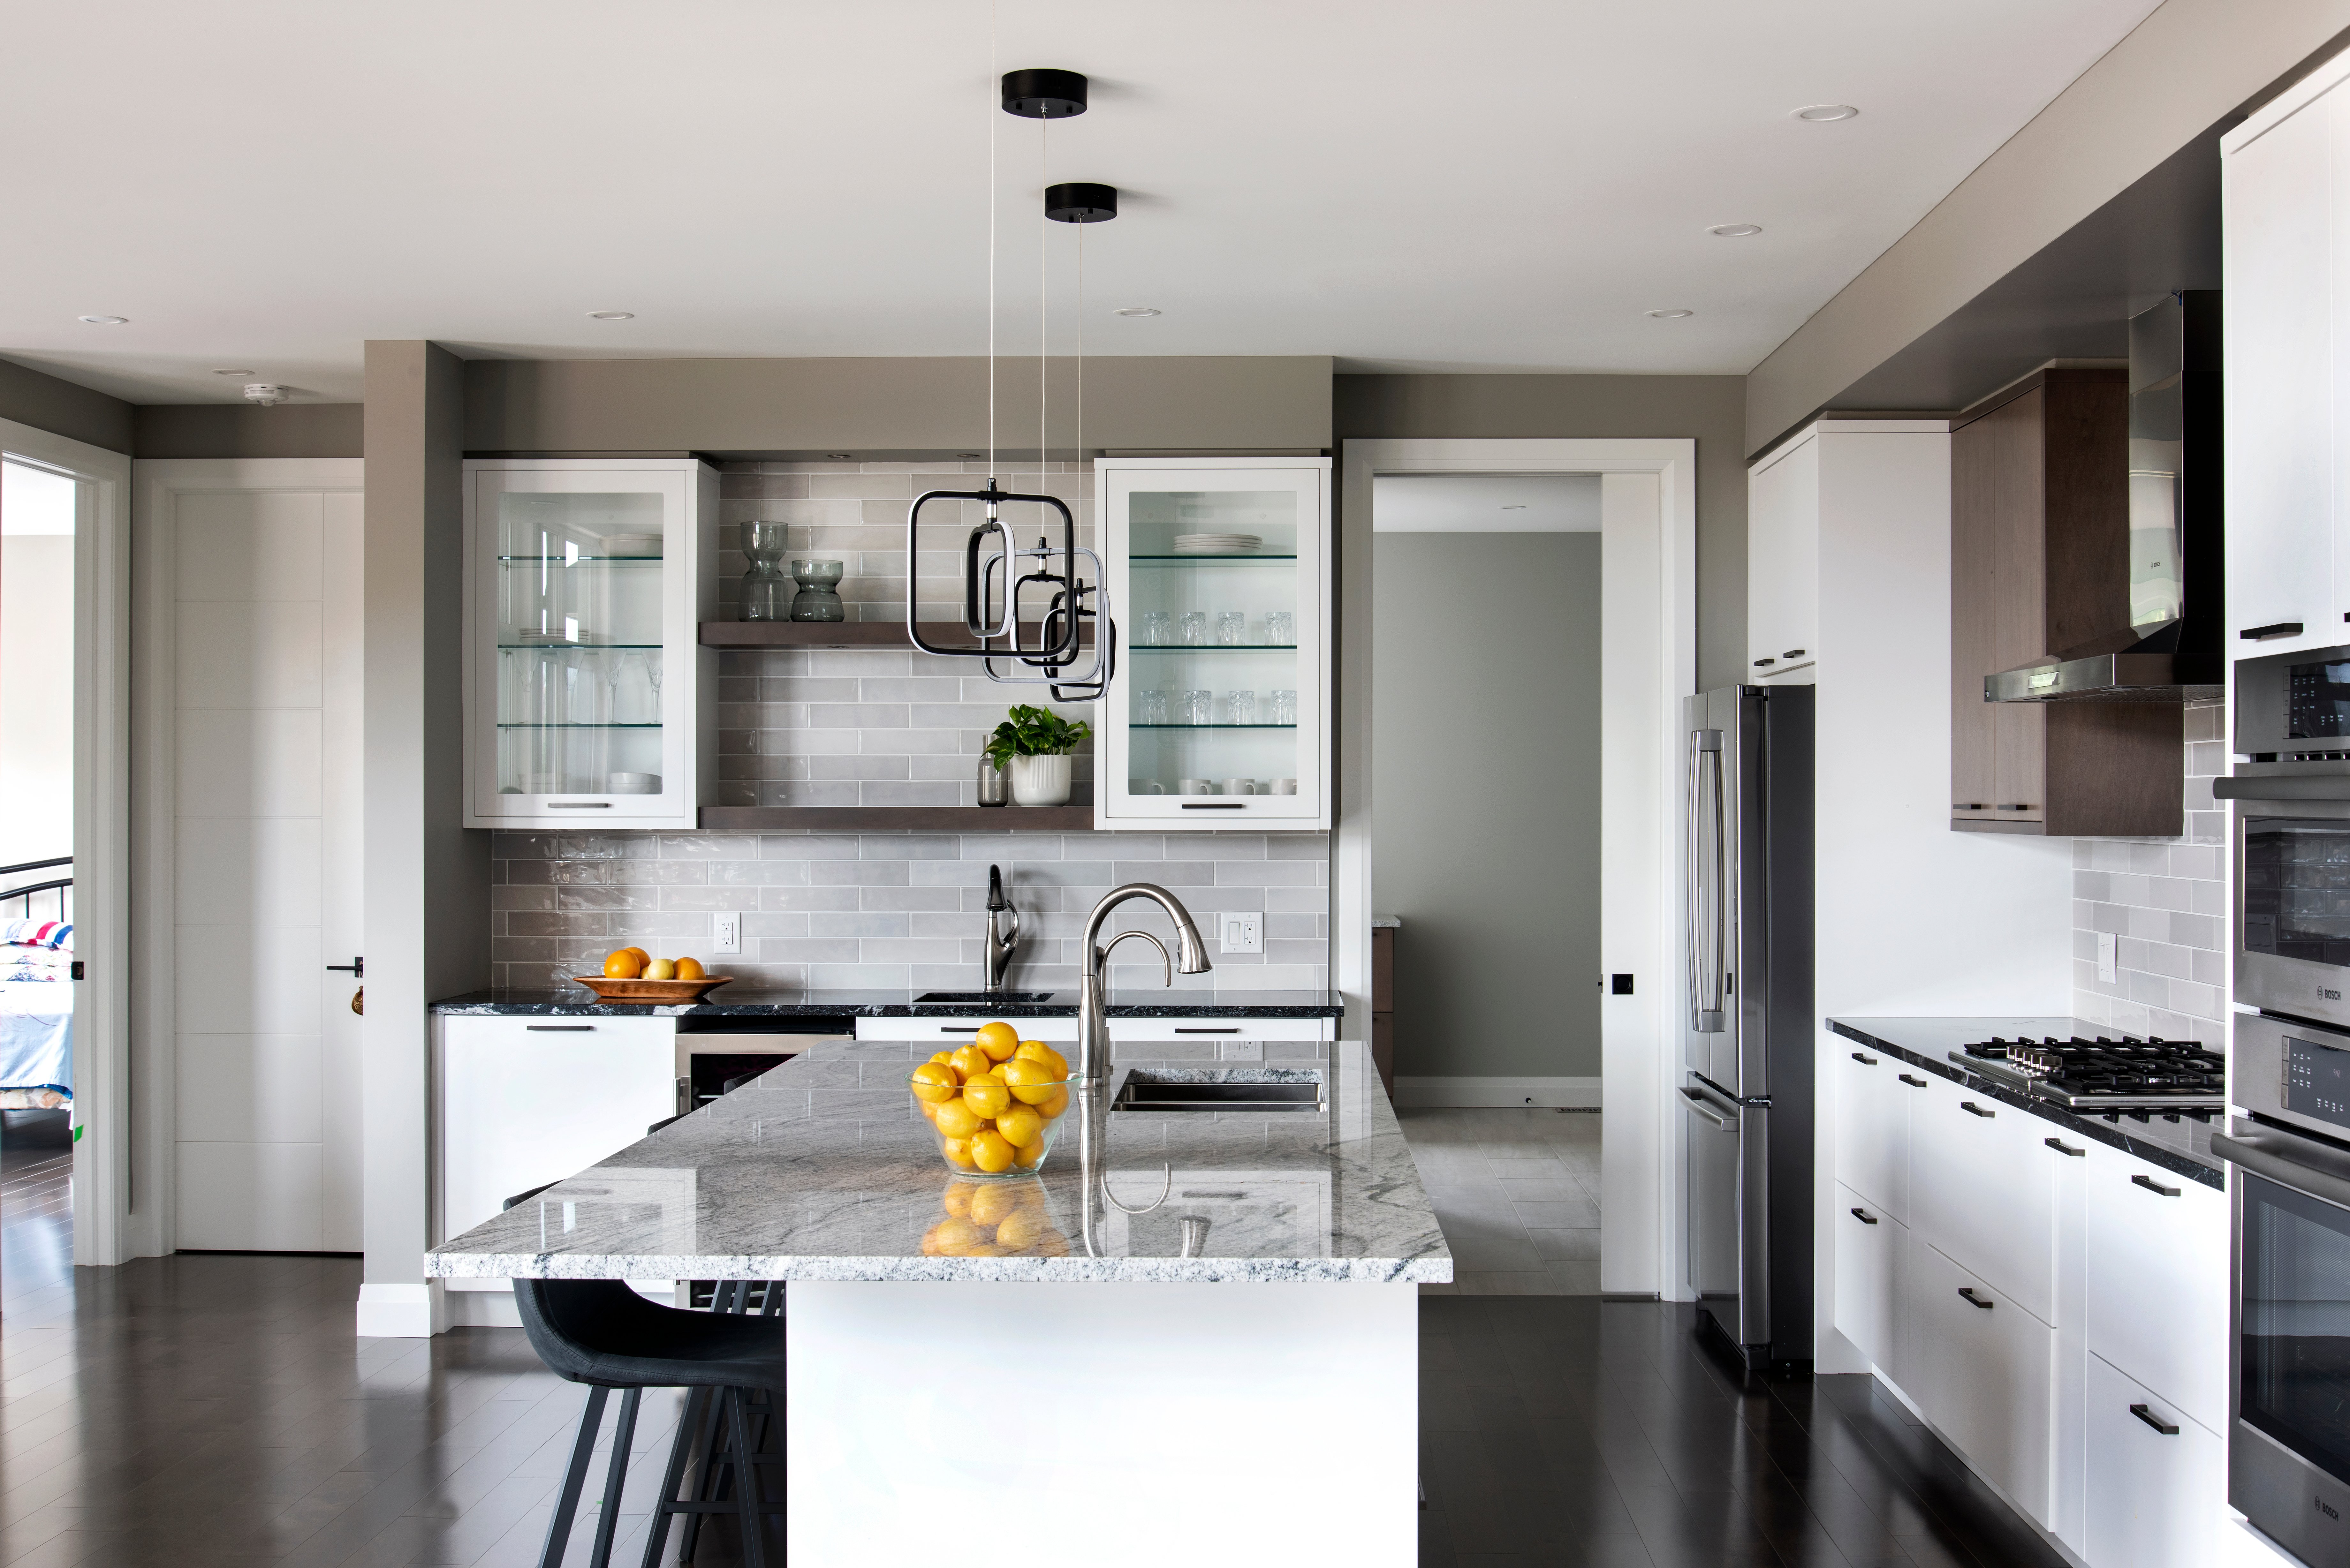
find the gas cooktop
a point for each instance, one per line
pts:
(2101, 1075)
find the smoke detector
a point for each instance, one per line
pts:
(268, 394)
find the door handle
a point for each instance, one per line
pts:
(2153, 1186)
(2278, 628)
(1864, 1218)
(1179, 1029)
(558, 1029)
(1864, 1061)
(356, 969)
(2058, 1145)
(1792, 653)
(1973, 1300)
(579, 806)
(1706, 933)
(2167, 1429)
(1913, 1083)
(1973, 1109)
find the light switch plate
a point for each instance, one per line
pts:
(1244, 933)
(726, 932)
(2106, 945)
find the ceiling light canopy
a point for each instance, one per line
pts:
(233, 372)
(1136, 310)
(1672, 314)
(108, 320)
(611, 316)
(1734, 231)
(1043, 94)
(1820, 113)
(1080, 201)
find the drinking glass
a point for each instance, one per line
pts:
(1150, 707)
(1199, 706)
(1284, 708)
(1154, 629)
(1280, 628)
(1231, 629)
(1195, 629)
(1239, 707)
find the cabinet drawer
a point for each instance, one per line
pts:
(2157, 1277)
(1053, 1030)
(1869, 1247)
(1982, 1368)
(2155, 1498)
(1872, 1115)
(1125, 1029)
(1982, 1188)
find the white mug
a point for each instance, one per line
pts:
(1284, 786)
(1239, 786)
(1145, 787)
(1197, 786)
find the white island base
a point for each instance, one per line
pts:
(1129, 1422)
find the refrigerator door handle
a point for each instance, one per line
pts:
(1701, 1104)
(1705, 915)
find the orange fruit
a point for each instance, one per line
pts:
(957, 1119)
(998, 1040)
(623, 965)
(957, 1151)
(1021, 1125)
(643, 958)
(1027, 1078)
(1038, 1051)
(992, 1206)
(1054, 1103)
(956, 1200)
(691, 969)
(991, 1152)
(933, 1082)
(969, 1061)
(986, 1094)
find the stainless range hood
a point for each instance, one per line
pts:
(2172, 651)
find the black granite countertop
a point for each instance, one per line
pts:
(734, 1001)
(2182, 1145)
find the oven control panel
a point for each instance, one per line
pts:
(2317, 1081)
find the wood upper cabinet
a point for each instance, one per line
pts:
(2040, 570)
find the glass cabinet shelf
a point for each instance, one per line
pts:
(1214, 648)
(1211, 726)
(579, 647)
(1166, 560)
(579, 560)
(533, 725)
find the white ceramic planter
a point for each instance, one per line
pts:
(1040, 781)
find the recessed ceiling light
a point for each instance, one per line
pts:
(1514, 506)
(1820, 113)
(837, 456)
(1137, 310)
(1734, 231)
(1671, 315)
(108, 320)
(611, 316)
(233, 372)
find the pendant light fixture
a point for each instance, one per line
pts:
(993, 561)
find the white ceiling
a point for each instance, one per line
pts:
(1485, 503)
(263, 184)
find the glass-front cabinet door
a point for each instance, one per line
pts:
(583, 674)
(1218, 712)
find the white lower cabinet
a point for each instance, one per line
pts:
(1982, 1368)
(2157, 1479)
(2157, 1278)
(1873, 1126)
(1869, 1243)
(1982, 1187)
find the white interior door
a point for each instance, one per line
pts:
(261, 560)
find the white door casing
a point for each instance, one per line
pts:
(1647, 664)
(250, 845)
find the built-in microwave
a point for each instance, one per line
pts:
(2292, 713)
(2293, 903)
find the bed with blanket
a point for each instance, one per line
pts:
(37, 1001)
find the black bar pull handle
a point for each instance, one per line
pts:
(1864, 1218)
(1913, 1083)
(1792, 653)
(2153, 1186)
(2058, 1145)
(2262, 633)
(356, 969)
(1864, 1061)
(1764, 663)
(1973, 1300)
(1973, 1109)
(1189, 1029)
(2167, 1429)
(558, 1029)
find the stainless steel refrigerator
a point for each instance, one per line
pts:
(1748, 1031)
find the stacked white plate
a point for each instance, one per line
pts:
(1217, 544)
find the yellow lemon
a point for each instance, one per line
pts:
(992, 1206)
(1021, 1125)
(991, 1152)
(1038, 1051)
(929, 1112)
(956, 1200)
(986, 1094)
(934, 1081)
(942, 1057)
(1054, 1103)
(971, 1061)
(998, 1040)
(1029, 1156)
(1026, 1078)
(661, 969)
(957, 1119)
(957, 1151)
(623, 965)
(1022, 1228)
(691, 969)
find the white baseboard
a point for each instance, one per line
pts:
(399, 1312)
(1573, 1093)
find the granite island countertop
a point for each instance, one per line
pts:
(2182, 1144)
(738, 1001)
(822, 1170)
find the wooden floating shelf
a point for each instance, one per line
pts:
(900, 818)
(848, 634)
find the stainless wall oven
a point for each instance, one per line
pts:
(2292, 901)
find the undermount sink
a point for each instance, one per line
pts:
(1023, 998)
(1157, 1090)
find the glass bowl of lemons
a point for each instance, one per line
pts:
(995, 1220)
(996, 1103)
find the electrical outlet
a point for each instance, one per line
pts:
(2106, 945)
(726, 932)
(1243, 1051)
(1244, 933)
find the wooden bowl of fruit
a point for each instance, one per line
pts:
(631, 974)
(996, 1103)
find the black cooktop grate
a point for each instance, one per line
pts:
(2103, 1066)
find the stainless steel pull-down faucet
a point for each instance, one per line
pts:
(1093, 1011)
(998, 944)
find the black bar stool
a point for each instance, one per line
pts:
(602, 1333)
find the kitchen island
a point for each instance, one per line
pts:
(1093, 1389)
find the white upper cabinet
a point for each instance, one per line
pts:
(1219, 713)
(2288, 310)
(1782, 561)
(588, 695)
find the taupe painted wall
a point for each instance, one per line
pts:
(248, 429)
(428, 878)
(873, 408)
(1708, 409)
(2185, 68)
(1486, 770)
(33, 397)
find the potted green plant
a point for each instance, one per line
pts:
(1037, 742)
